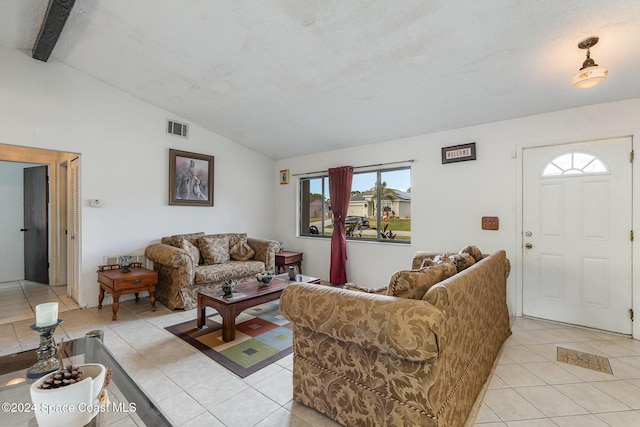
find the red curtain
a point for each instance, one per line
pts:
(340, 194)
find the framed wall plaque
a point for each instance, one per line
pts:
(459, 153)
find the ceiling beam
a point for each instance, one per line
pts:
(54, 20)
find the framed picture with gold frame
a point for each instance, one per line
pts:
(190, 179)
(284, 176)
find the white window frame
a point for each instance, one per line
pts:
(325, 190)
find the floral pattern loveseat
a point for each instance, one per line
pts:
(189, 263)
(418, 356)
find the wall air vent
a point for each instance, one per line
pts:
(175, 128)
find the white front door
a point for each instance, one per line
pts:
(576, 234)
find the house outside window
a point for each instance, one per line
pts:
(315, 209)
(379, 208)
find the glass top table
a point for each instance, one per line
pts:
(128, 399)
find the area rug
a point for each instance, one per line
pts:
(585, 360)
(263, 336)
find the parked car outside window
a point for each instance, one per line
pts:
(362, 221)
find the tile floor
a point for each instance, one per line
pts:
(528, 387)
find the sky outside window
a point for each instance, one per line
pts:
(398, 180)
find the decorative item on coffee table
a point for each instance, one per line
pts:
(46, 323)
(227, 288)
(75, 386)
(264, 278)
(78, 387)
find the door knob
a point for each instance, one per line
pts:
(24, 229)
(528, 245)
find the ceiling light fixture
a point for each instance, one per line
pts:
(590, 74)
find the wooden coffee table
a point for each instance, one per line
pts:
(246, 295)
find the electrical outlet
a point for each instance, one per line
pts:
(95, 203)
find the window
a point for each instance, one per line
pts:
(315, 206)
(379, 208)
(574, 164)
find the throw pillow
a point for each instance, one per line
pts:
(176, 239)
(351, 286)
(448, 268)
(427, 262)
(462, 261)
(241, 251)
(215, 250)
(193, 251)
(442, 257)
(233, 237)
(444, 263)
(413, 284)
(473, 251)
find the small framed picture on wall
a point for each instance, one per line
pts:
(284, 176)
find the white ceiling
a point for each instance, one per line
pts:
(294, 77)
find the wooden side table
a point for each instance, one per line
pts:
(286, 259)
(113, 280)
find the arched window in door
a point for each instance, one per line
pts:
(575, 163)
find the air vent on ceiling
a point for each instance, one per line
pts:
(175, 128)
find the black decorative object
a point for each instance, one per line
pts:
(227, 288)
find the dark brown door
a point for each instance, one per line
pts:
(36, 224)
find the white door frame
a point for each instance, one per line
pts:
(515, 299)
(53, 159)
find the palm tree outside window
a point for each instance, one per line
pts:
(389, 189)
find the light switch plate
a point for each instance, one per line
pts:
(490, 223)
(95, 203)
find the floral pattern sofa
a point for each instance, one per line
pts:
(189, 263)
(414, 354)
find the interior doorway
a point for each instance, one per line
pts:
(35, 228)
(577, 222)
(61, 254)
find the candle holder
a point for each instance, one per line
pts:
(47, 352)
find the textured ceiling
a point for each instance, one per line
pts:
(294, 77)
